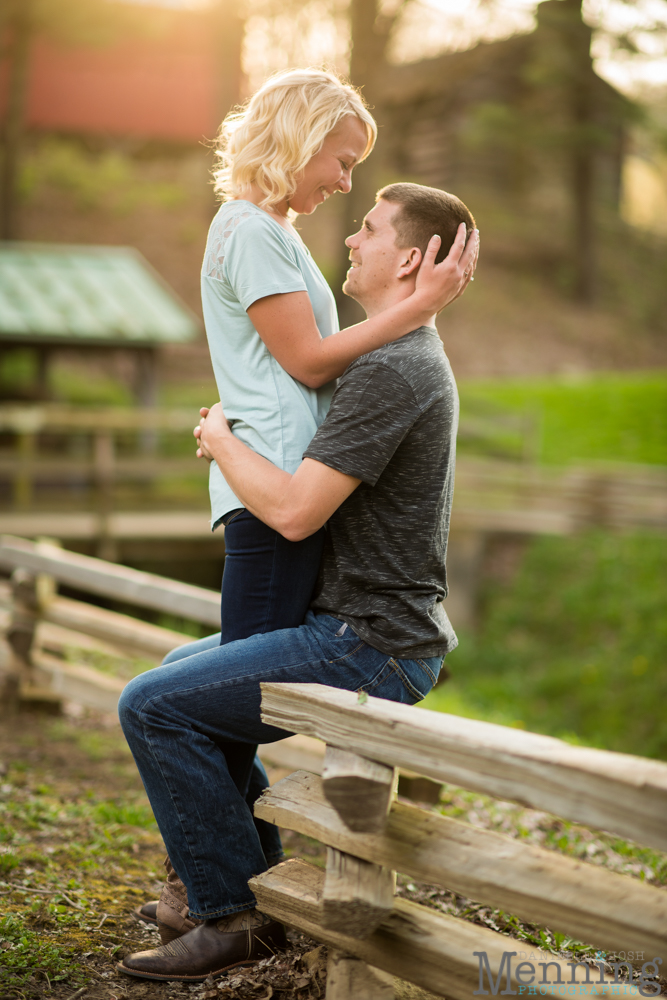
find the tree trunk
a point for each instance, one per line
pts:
(19, 55)
(369, 31)
(582, 165)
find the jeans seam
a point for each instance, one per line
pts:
(270, 598)
(425, 667)
(406, 680)
(339, 659)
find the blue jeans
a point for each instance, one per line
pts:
(193, 726)
(268, 581)
(267, 584)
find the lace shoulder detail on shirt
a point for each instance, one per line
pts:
(222, 227)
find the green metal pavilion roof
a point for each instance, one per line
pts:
(51, 293)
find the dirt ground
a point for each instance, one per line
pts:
(85, 855)
(79, 851)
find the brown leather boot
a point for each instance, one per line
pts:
(172, 912)
(147, 912)
(211, 948)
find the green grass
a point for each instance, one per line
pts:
(575, 646)
(78, 844)
(604, 417)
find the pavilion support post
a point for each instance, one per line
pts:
(145, 391)
(104, 479)
(26, 445)
(42, 382)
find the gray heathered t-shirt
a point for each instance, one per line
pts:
(392, 424)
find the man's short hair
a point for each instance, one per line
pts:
(425, 212)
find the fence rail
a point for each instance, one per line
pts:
(112, 580)
(351, 808)
(440, 953)
(491, 494)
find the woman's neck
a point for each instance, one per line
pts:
(278, 211)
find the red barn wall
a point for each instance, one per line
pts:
(168, 84)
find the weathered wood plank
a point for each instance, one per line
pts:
(360, 790)
(63, 642)
(295, 753)
(81, 684)
(112, 580)
(616, 792)
(135, 636)
(16, 417)
(575, 897)
(358, 895)
(83, 525)
(304, 753)
(351, 979)
(435, 951)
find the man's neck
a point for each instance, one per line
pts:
(376, 308)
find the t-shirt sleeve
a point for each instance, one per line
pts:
(372, 410)
(259, 263)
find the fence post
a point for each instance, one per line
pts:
(104, 481)
(22, 681)
(357, 894)
(360, 790)
(349, 978)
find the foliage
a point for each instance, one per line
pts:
(602, 417)
(574, 647)
(108, 179)
(71, 22)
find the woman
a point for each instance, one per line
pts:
(270, 314)
(269, 317)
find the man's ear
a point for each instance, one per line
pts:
(410, 262)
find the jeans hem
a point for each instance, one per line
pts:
(224, 911)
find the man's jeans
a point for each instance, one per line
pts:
(193, 726)
(269, 835)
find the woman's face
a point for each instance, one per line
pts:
(331, 169)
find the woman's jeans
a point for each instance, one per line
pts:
(193, 726)
(267, 584)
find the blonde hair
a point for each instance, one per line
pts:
(271, 139)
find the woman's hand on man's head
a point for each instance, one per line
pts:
(440, 284)
(211, 429)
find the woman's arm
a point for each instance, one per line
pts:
(287, 326)
(296, 505)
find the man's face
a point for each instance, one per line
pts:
(376, 260)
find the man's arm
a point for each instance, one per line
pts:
(294, 505)
(286, 322)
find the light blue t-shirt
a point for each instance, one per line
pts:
(248, 256)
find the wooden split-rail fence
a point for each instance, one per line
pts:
(97, 450)
(349, 752)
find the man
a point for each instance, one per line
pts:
(379, 472)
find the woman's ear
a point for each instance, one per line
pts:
(410, 262)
